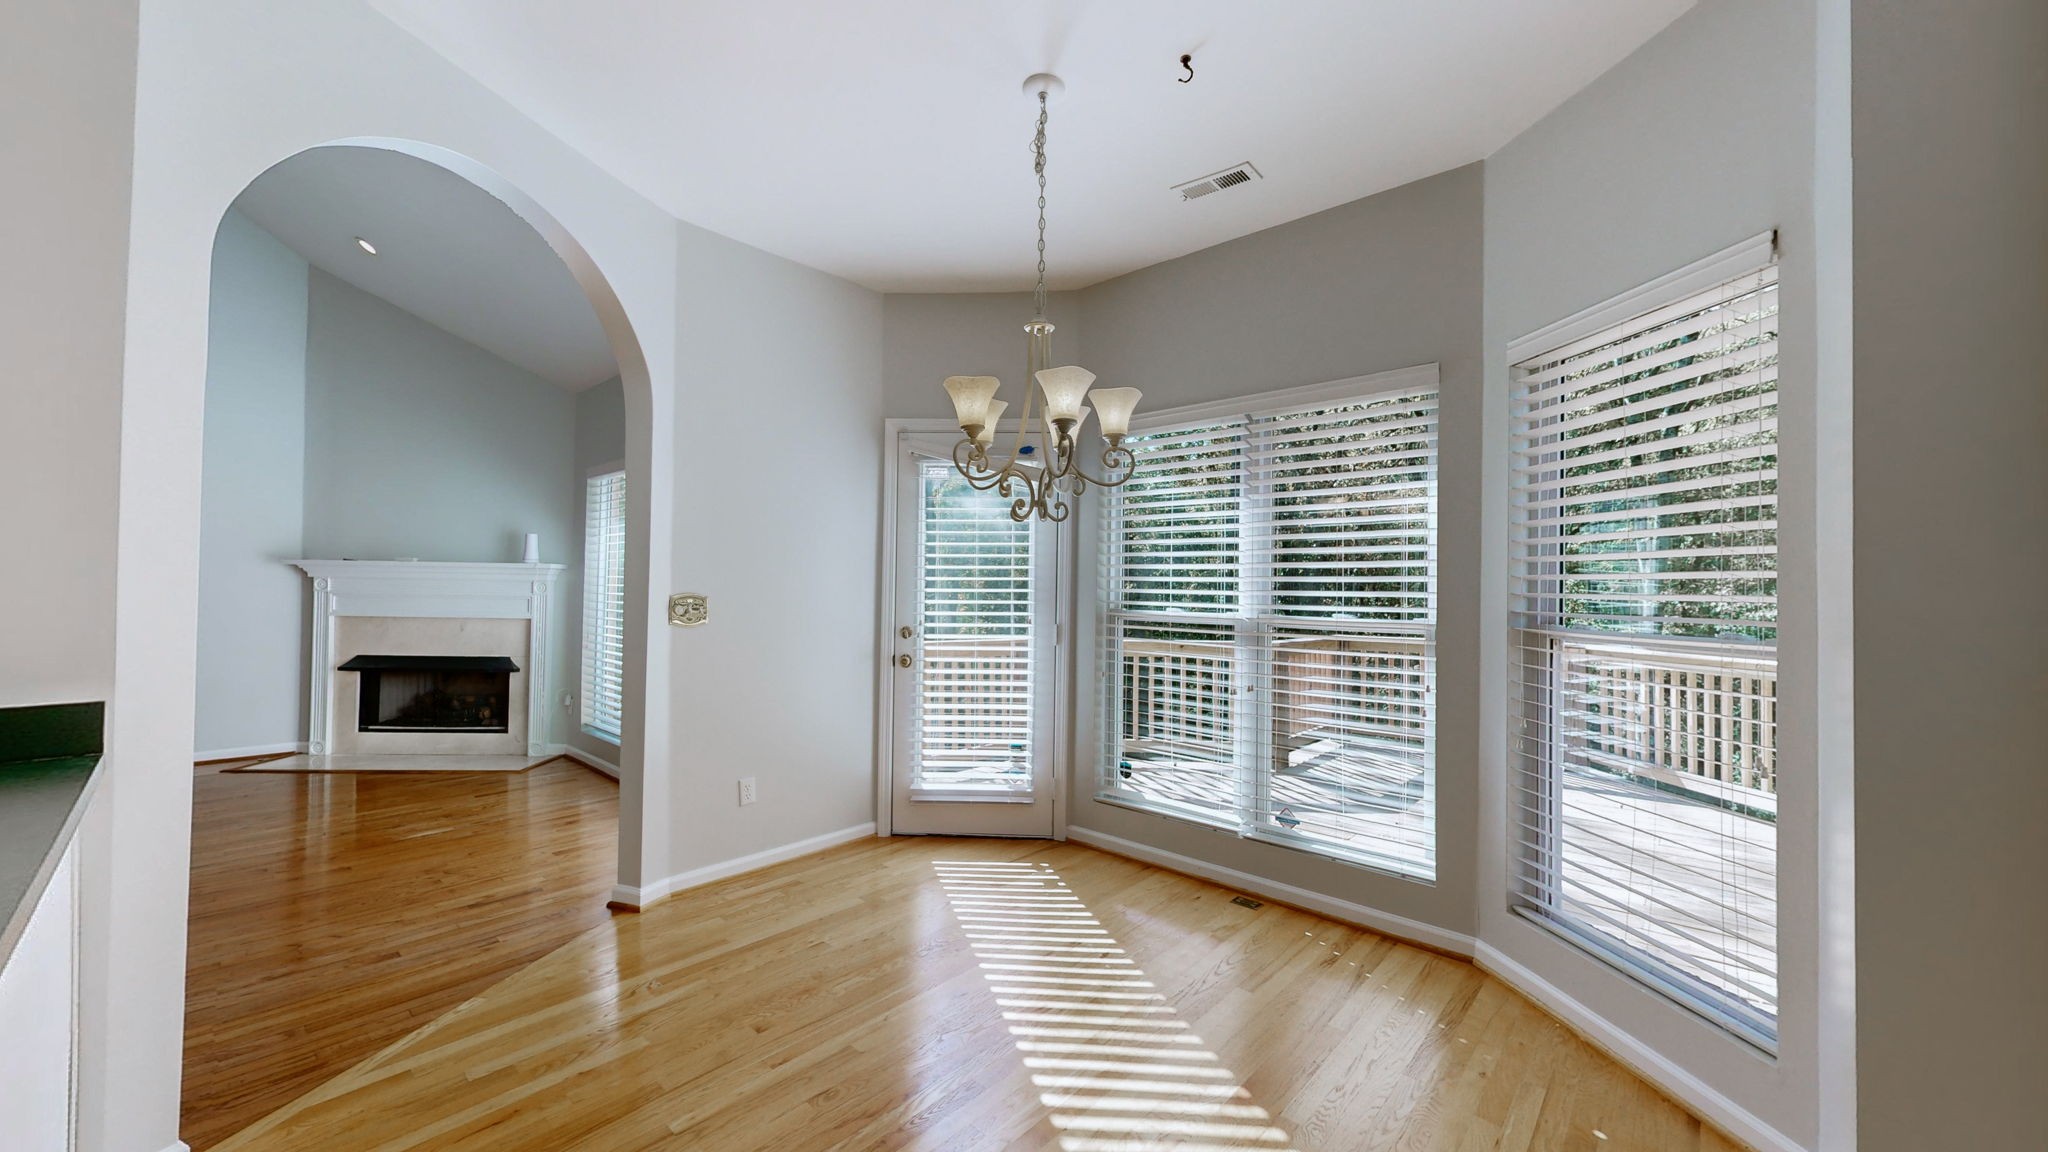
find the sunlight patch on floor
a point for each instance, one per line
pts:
(1117, 1070)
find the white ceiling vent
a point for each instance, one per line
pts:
(1230, 177)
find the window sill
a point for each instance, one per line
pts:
(1672, 987)
(1276, 839)
(607, 737)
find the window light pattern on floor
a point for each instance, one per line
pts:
(1110, 1057)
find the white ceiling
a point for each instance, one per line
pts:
(447, 252)
(887, 142)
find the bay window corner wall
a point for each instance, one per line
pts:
(1268, 621)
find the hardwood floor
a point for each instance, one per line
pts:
(334, 914)
(984, 994)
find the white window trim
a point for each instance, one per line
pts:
(1257, 404)
(1730, 263)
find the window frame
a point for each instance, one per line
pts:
(1253, 621)
(1538, 777)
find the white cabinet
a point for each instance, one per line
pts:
(38, 1017)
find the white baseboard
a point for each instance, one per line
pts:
(179, 1146)
(252, 750)
(1705, 1100)
(1372, 918)
(580, 756)
(648, 894)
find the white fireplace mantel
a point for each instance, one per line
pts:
(428, 589)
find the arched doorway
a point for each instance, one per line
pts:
(135, 844)
(403, 377)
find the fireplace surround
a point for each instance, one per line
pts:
(465, 647)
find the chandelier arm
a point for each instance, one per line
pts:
(971, 462)
(1114, 460)
(1055, 508)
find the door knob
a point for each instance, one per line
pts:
(903, 661)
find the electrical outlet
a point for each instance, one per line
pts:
(749, 791)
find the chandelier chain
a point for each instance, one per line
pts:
(1038, 166)
(1038, 484)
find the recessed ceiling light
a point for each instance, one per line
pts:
(366, 246)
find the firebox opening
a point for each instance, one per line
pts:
(433, 693)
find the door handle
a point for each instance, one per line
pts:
(903, 661)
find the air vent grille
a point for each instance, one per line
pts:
(1230, 177)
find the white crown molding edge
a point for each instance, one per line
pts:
(1696, 1094)
(647, 895)
(1385, 923)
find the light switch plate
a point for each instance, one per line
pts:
(688, 609)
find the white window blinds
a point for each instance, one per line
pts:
(604, 603)
(1269, 627)
(1643, 622)
(975, 683)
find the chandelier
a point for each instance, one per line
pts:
(1040, 482)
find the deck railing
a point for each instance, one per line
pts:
(1176, 692)
(1705, 722)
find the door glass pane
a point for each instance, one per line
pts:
(974, 690)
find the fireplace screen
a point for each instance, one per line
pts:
(433, 693)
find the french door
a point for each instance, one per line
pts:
(972, 656)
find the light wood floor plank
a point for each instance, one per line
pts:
(424, 963)
(334, 914)
(970, 995)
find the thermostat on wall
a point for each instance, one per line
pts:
(688, 609)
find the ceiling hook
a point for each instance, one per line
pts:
(1187, 61)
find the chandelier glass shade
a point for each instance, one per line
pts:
(1042, 468)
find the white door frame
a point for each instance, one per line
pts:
(893, 432)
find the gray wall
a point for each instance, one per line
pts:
(927, 337)
(600, 426)
(252, 515)
(339, 426)
(67, 80)
(1951, 543)
(419, 443)
(600, 442)
(1702, 138)
(1381, 283)
(778, 464)
(67, 75)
